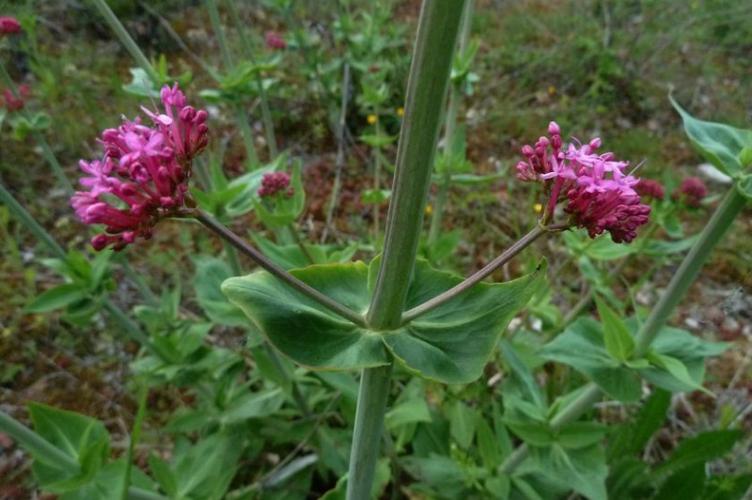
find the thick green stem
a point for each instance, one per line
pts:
(46, 452)
(731, 205)
(711, 235)
(47, 153)
(429, 76)
(369, 422)
(128, 42)
(426, 88)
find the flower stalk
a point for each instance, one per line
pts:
(426, 89)
(245, 248)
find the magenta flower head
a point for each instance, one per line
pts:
(275, 183)
(649, 188)
(274, 40)
(9, 26)
(599, 195)
(143, 176)
(691, 191)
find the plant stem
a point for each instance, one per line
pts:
(339, 162)
(36, 445)
(266, 114)
(47, 153)
(455, 99)
(128, 42)
(731, 205)
(300, 243)
(44, 451)
(240, 115)
(427, 84)
(426, 88)
(260, 259)
(28, 222)
(369, 421)
(476, 277)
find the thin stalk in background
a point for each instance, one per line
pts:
(426, 88)
(731, 205)
(266, 114)
(47, 153)
(339, 162)
(455, 100)
(28, 221)
(125, 38)
(240, 115)
(376, 181)
(40, 447)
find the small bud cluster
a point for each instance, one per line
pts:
(13, 102)
(649, 188)
(276, 183)
(9, 26)
(274, 40)
(144, 174)
(600, 196)
(691, 192)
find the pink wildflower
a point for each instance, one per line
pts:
(144, 174)
(274, 183)
(13, 103)
(274, 40)
(9, 26)
(600, 196)
(650, 189)
(691, 191)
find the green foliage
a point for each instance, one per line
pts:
(450, 343)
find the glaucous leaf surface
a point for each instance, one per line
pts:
(450, 344)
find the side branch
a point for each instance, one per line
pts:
(260, 259)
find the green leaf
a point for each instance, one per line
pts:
(583, 470)
(210, 273)
(676, 369)
(57, 298)
(141, 85)
(83, 439)
(581, 346)
(408, 412)
(720, 144)
(450, 344)
(462, 421)
(698, 450)
(686, 484)
(619, 342)
(253, 405)
(378, 140)
(631, 438)
(488, 445)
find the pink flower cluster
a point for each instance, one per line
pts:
(275, 183)
(600, 195)
(274, 40)
(9, 26)
(691, 191)
(650, 189)
(13, 103)
(144, 174)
